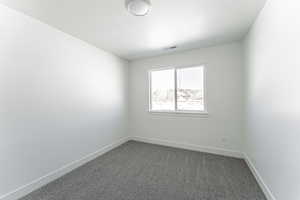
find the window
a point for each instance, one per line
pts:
(178, 90)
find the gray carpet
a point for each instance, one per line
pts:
(139, 171)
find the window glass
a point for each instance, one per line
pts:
(190, 89)
(162, 90)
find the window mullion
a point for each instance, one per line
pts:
(150, 90)
(175, 88)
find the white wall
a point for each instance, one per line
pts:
(224, 99)
(60, 99)
(273, 98)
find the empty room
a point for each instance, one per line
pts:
(149, 100)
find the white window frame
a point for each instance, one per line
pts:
(176, 111)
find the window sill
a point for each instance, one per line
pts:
(180, 113)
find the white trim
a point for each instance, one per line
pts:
(193, 147)
(180, 114)
(259, 178)
(175, 68)
(150, 90)
(27, 188)
(213, 150)
(175, 90)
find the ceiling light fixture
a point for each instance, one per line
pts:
(138, 7)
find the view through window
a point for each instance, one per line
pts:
(177, 89)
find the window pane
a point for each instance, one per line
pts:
(190, 90)
(162, 90)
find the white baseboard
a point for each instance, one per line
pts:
(193, 147)
(26, 189)
(259, 178)
(213, 150)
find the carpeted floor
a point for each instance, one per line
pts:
(139, 171)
